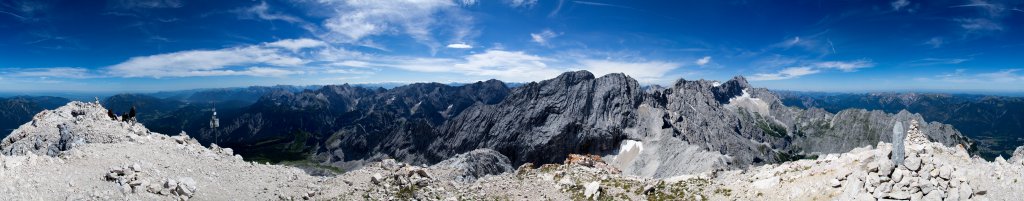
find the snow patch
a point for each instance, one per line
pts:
(746, 102)
(629, 145)
(716, 84)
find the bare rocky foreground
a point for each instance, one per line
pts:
(76, 152)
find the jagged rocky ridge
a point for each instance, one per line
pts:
(692, 126)
(136, 164)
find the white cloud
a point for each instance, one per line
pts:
(521, 3)
(788, 73)
(504, 65)
(979, 24)
(898, 4)
(61, 72)
(703, 61)
(845, 66)
(262, 11)
(228, 61)
(357, 19)
(459, 46)
(642, 71)
(960, 76)
(297, 44)
(807, 67)
(543, 37)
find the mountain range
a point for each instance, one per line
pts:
(691, 126)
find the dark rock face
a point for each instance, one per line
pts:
(543, 122)
(345, 123)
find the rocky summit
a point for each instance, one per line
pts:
(76, 152)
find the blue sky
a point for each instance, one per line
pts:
(150, 45)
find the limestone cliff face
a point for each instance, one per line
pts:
(691, 126)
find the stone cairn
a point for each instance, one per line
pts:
(912, 173)
(915, 136)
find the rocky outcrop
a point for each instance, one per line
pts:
(476, 164)
(53, 131)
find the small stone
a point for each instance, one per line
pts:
(953, 194)
(377, 178)
(899, 195)
(834, 183)
(885, 167)
(873, 166)
(935, 194)
(912, 163)
(592, 190)
(945, 172)
(897, 175)
(966, 192)
(136, 167)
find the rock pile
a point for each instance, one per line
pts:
(590, 160)
(914, 135)
(920, 176)
(183, 188)
(128, 177)
(402, 182)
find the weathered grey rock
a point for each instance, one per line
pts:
(885, 167)
(1018, 156)
(913, 163)
(945, 172)
(899, 195)
(898, 150)
(477, 163)
(898, 174)
(835, 183)
(966, 191)
(592, 190)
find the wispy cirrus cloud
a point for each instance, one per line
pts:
(786, 73)
(53, 72)
(521, 3)
(297, 44)
(544, 37)
(899, 4)
(263, 11)
(703, 61)
(845, 66)
(803, 68)
(961, 76)
(267, 59)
